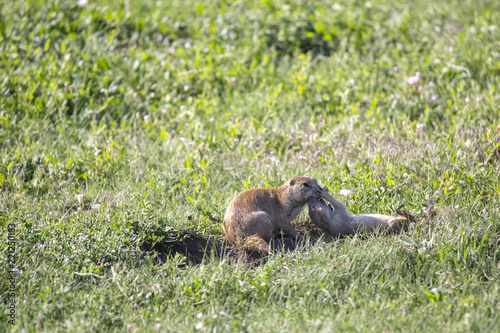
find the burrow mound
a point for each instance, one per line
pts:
(196, 248)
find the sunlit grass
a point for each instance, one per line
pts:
(132, 123)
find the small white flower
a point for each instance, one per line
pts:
(199, 326)
(199, 315)
(352, 82)
(82, 3)
(233, 79)
(420, 127)
(80, 198)
(158, 327)
(212, 120)
(448, 284)
(129, 327)
(395, 69)
(403, 123)
(467, 100)
(95, 207)
(311, 78)
(17, 271)
(392, 97)
(146, 119)
(485, 211)
(437, 61)
(51, 214)
(413, 80)
(478, 99)
(183, 107)
(431, 84)
(345, 192)
(434, 98)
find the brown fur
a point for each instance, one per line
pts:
(259, 215)
(339, 221)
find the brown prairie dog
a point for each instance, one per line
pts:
(258, 215)
(339, 221)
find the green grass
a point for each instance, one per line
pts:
(162, 111)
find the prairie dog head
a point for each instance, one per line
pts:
(320, 212)
(300, 189)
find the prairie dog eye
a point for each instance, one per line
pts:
(306, 185)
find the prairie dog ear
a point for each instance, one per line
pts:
(292, 182)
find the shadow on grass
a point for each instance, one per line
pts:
(166, 242)
(196, 248)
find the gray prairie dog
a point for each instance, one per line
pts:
(339, 221)
(258, 215)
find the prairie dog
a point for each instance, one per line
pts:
(339, 221)
(258, 215)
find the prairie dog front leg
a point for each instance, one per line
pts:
(337, 205)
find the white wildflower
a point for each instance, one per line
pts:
(345, 192)
(413, 80)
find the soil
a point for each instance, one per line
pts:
(196, 248)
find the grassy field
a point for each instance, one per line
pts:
(160, 112)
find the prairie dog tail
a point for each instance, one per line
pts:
(256, 242)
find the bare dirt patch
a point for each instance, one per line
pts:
(196, 248)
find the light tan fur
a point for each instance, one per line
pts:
(339, 221)
(259, 215)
